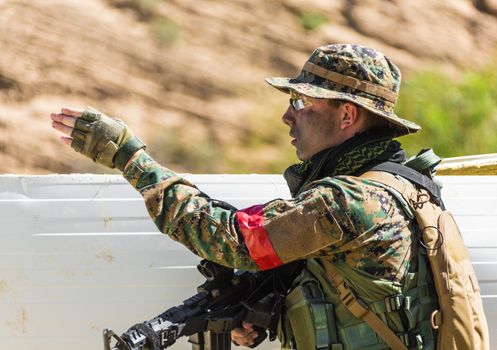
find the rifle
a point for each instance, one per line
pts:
(221, 303)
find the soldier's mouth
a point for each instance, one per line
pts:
(294, 138)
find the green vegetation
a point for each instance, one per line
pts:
(166, 31)
(312, 20)
(458, 115)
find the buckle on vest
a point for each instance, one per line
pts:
(440, 239)
(348, 299)
(397, 302)
(436, 319)
(356, 306)
(421, 199)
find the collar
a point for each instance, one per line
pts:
(345, 159)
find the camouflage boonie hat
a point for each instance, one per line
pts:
(351, 73)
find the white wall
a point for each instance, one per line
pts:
(78, 253)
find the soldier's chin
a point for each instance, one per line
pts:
(302, 157)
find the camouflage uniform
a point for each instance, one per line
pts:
(333, 214)
(345, 219)
(351, 216)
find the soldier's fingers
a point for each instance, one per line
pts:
(73, 112)
(244, 336)
(66, 140)
(246, 340)
(242, 341)
(247, 325)
(239, 333)
(63, 119)
(62, 128)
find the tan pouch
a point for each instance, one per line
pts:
(311, 318)
(461, 322)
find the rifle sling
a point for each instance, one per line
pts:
(360, 310)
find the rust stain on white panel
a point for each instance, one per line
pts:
(106, 256)
(4, 288)
(20, 323)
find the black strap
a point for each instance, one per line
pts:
(410, 174)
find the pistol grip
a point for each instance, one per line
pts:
(261, 335)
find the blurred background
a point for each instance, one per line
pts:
(187, 75)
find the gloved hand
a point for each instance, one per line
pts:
(105, 140)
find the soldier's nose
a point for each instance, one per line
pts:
(288, 118)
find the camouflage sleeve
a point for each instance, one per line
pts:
(319, 222)
(205, 226)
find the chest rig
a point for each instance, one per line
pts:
(324, 311)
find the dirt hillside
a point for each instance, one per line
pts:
(187, 75)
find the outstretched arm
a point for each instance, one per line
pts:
(259, 237)
(177, 207)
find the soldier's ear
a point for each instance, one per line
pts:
(349, 114)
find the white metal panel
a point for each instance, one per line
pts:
(478, 161)
(473, 200)
(78, 253)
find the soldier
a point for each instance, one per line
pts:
(342, 122)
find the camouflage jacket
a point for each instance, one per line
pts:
(345, 217)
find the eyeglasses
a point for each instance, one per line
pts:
(298, 101)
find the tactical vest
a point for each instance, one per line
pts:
(317, 318)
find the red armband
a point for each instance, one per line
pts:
(250, 222)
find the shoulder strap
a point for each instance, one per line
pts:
(406, 189)
(356, 306)
(360, 310)
(410, 174)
